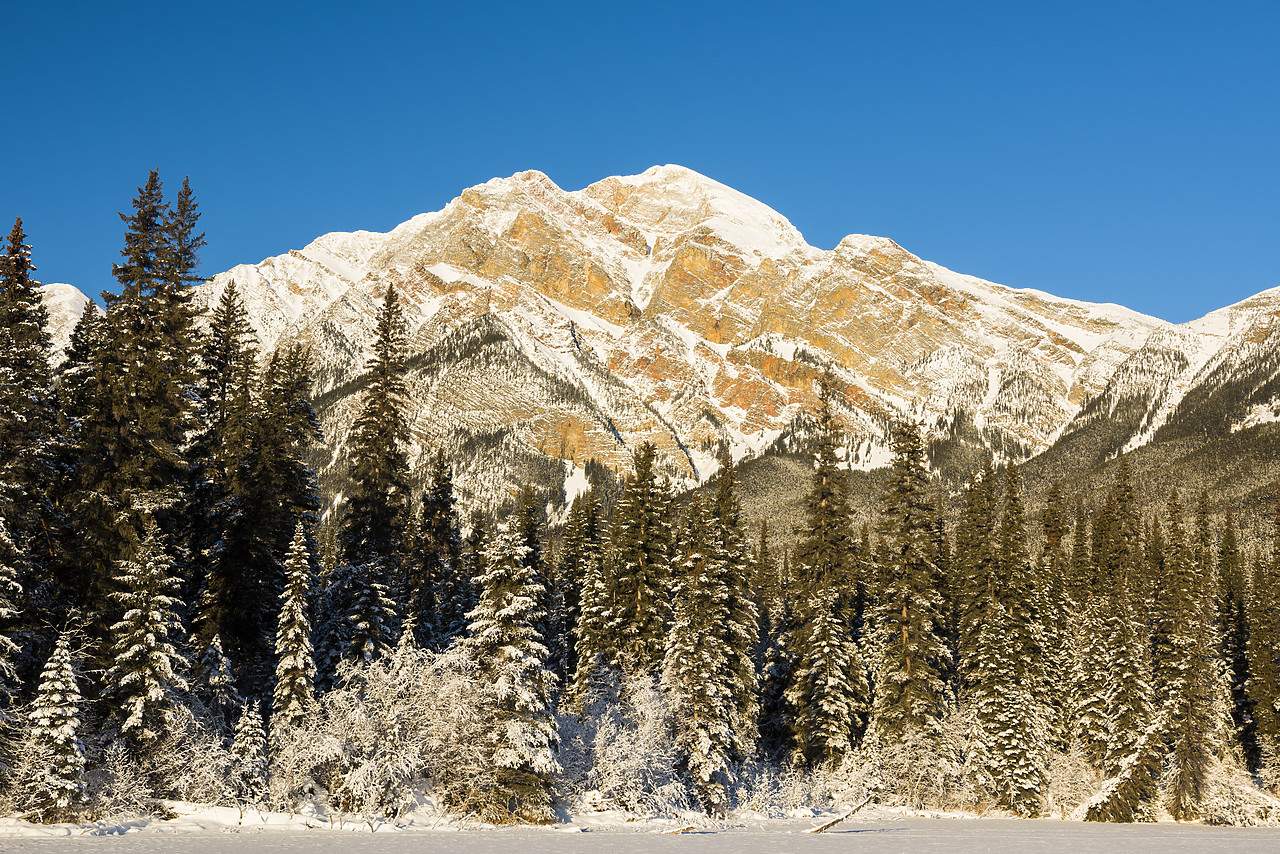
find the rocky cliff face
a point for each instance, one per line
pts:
(550, 328)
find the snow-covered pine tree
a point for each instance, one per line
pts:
(295, 668)
(52, 776)
(592, 649)
(438, 592)
(1193, 691)
(698, 675)
(910, 697)
(505, 643)
(1010, 731)
(579, 560)
(377, 507)
(1232, 596)
(1263, 649)
(741, 628)
(640, 583)
(1058, 619)
(1091, 720)
(1005, 674)
(827, 694)
(143, 685)
(249, 754)
(215, 685)
(27, 412)
(975, 569)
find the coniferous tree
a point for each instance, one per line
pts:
(1194, 699)
(639, 595)
(53, 776)
(592, 640)
(1058, 619)
(976, 569)
(1233, 629)
(698, 673)
(741, 628)
(377, 510)
(27, 411)
(827, 695)
(1263, 687)
(1006, 674)
(580, 583)
(145, 681)
(507, 646)
(438, 589)
(295, 668)
(215, 684)
(249, 755)
(910, 697)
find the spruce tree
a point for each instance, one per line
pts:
(828, 694)
(53, 776)
(1195, 697)
(1263, 687)
(249, 756)
(639, 594)
(1006, 674)
(698, 674)
(438, 591)
(295, 669)
(507, 647)
(579, 566)
(27, 412)
(1231, 600)
(975, 574)
(144, 683)
(910, 697)
(215, 685)
(377, 509)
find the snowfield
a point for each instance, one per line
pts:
(221, 829)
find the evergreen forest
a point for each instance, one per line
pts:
(180, 622)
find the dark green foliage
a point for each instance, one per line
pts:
(640, 585)
(437, 589)
(910, 696)
(1232, 596)
(1263, 687)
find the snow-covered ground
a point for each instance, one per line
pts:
(214, 830)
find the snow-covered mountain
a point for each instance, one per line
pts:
(553, 326)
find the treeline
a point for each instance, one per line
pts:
(168, 631)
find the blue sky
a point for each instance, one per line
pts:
(1123, 151)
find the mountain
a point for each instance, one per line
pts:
(551, 328)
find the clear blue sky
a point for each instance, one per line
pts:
(1118, 151)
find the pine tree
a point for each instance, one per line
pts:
(639, 594)
(1058, 619)
(1194, 700)
(1233, 628)
(295, 670)
(377, 509)
(1263, 687)
(1006, 674)
(584, 553)
(828, 693)
(144, 681)
(215, 684)
(438, 592)
(249, 755)
(975, 568)
(579, 562)
(910, 697)
(697, 674)
(505, 643)
(53, 779)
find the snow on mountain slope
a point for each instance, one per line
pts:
(671, 308)
(65, 304)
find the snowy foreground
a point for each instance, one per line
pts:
(213, 830)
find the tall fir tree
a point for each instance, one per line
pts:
(698, 673)
(640, 585)
(1193, 693)
(10, 596)
(578, 567)
(910, 697)
(249, 756)
(976, 571)
(505, 642)
(1263, 687)
(294, 693)
(827, 695)
(1231, 598)
(377, 509)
